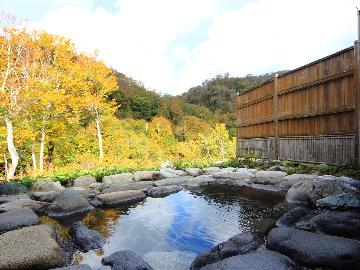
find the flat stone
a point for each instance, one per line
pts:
(46, 185)
(9, 188)
(243, 175)
(84, 181)
(75, 267)
(175, 260)
(45, 196)
(147, 175)
(340, 202)
(194, 171)
(85, 238)
(211, 170)
(22, 203)
(142, 185)
(268, 188)
(122, 178)
(239, 244)
(17, 218)
(315, 250)
(198, 181)
(228, 169)
(269, 177)
(98, 186)
(126, 260)
(32, 247)
(291, 217)
(121, 197)
(289, 180)
(174, 181)
(261, 260)
(68, 203)
(170, 173)
(163, 190)
(11, 198)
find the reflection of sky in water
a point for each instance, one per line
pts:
(178, 227)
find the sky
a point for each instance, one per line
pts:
(172, 45)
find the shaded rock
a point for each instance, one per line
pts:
(32, 247)
(126, 260)
(68, 203)
(268, 188)
(198, 181)
(174, 181)
(45, 196)
(85, 238)
(95, 202)
(269, 177)
(84, 181)
(260, 260)
(147, 175)
(86, 193)
(163, 191)
(46, 185)
(194, 171)
(121, 197)
(142, 185)
(98, 186)
(175, 260)
(170, 173)
(22, 204)
(239, 244)
(17, 218)
(291, 217)
(339, 202)
(122, 178)
(289, 180)
(11, 198)
(306, 225)
(9, 188)
(242, 175)
(315, 250)
(211, 170)
(75, 267)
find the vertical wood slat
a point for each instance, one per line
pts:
(276, 122)
(357, 102)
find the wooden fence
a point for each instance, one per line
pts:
(308, 114)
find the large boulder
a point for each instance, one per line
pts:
(147, 175)
(122, 178)
(269, 177)
(173, 181)
(126, 260)
(239, 244)
(291, 217)
(11, 198)
(142, 185)
(18, 218)
(68, 203)
(198, 181)
(85, 238)
(23, 203)
(241, 175)
(261, 260)
(211, 170)
(46, 185)
(308, 192)
(194, 171)
(290, 180)
(121, 197)
(12, 189)
(84, 181)
(340, 202)
(75, 267)
(32, 247)
(45, 196)
(170, 173)
(315, 250)
(163, 190)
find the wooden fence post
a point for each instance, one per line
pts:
(276, 122)
(357, 101)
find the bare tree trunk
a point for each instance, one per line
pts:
(12, 149)
(33, 157)
(41, 153)
(98, 130)
(5, 166)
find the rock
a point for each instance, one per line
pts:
(23, 203)
(175, 260)
(261, 260)
(167, 164)
(12, 189)
(269, 188)
(170, 173)
(289, 180)
(194, 171)
(121, 197)
(32, 247)
(269, 177)
(95, 202)
(228, 169)
(315, 250)
(98, 186)
(239, 244)
(308, 192)
(211, 170)
(163, 191)
(339, 202)
(84, 181)
(147, 175)
(45, 196)
(46, 185)
(243, 175)
(75, 267)
(322, 165)
(87, 193)
(68, 203)
(291, 217)
(122, 178)
(198, 181)
(126, 260)
(86, 239)
(11, 198)
(142, 185)
(17, 218)
(174, 181)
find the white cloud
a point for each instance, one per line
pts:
(139, 38)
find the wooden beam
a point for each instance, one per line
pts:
(357, 101)
(276, 121)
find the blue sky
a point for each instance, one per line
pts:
(171, 45)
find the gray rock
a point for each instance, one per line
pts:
(315, 250)
(46, 185)
(194, 171)
(269, 177)
(68, 203)
(84, 181)
(121, 197)
(268, 188)
(242, 175)
(86, 239)
(291, 217)
(237, 245)
(170, 173)
(126, 260)
(45, 196)
(289, 180)
(11, 198)
(198, 181)
(17, 218)
(22, 203)
(95, 202)
(147, 175)
(339, 202)
(86, 193)
(142, 185)
(163, 191)
(261, 260)
(75, 267)
(12, 189)
(122, 178)
(211, 170)
(175, 260)
(174, 181)
(228, 169)
(98, 186)
(32, 247)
